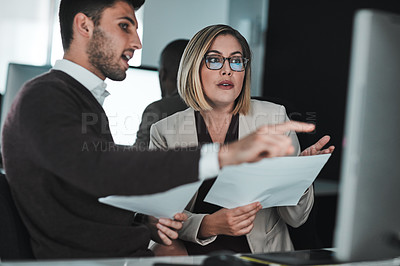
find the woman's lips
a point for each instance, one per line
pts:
(226, 85)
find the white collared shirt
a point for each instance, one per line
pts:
(208, 163)
(89, 80)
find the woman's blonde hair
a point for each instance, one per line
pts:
(189, 81)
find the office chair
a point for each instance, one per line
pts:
(14, 237)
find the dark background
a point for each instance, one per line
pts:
(306, 68)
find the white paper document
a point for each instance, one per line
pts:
(274, 182)
(161, 205)
(277, 181)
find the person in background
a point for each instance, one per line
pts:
(60, 157)
(171, 102)
(214, 80)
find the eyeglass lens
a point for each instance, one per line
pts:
(215, 62)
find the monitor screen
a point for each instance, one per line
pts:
(368, 220)
(127, 101)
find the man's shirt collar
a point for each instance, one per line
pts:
(89, 80)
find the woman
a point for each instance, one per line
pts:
(214, 80)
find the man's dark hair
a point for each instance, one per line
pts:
(91, 8)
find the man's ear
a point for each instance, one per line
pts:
(83, 25)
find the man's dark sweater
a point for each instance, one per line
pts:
(60, 157)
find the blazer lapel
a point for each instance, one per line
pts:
(187, 132)
(246, 124)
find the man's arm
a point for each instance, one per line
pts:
(85, 156)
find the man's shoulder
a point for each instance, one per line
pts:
(176, 100)
(166, 106)
(51, 82)
(54, 89)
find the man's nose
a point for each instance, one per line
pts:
(135, 43)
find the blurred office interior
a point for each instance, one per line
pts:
(301, 52)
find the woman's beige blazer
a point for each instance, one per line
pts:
(270, 232)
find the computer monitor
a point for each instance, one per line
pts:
(368, 220)
(17, 75)
(128, 99)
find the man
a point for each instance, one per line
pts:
(171, 102)
(60, 157)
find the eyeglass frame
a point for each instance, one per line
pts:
(245, 61)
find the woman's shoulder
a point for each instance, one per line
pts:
(264, 106)
(176, 118)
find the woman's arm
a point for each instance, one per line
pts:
(204, 228)
(298, 215)
(191, 228)
(233, 222)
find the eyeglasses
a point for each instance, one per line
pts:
(215, 62)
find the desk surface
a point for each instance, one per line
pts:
(196, 260)
(113, 262)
